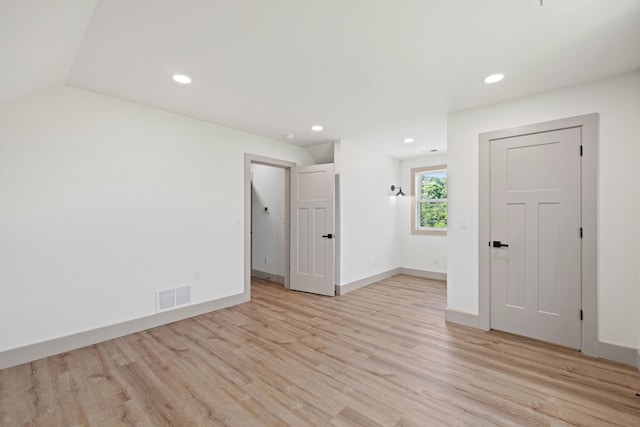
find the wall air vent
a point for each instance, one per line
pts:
(173, 298)
(183, 295)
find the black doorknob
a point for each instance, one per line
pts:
(498, 244)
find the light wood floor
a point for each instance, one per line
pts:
(379, 356)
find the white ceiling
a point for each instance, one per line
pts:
(39, 40)
(370, 71)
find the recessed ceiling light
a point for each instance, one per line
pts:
(494, 78)
(316, 128)
(408, 140)
(181, 78)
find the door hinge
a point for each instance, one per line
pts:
(581, 232)
(581, 315)
(581, 150)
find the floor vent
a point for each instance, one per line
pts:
(172, 298)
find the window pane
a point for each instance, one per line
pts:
(433, 215)
(429, 201)
(433, 186)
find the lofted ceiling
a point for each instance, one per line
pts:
(370, 71)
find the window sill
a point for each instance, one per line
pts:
(429, 232)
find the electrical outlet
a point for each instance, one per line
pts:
(196, 276)
(266, 260)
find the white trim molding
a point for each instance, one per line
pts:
(415, 202)
(268, 161)
(617, 353)
(424, 274)
(357, 284)
(43, 349)
(276, 278)
(462, 318)
(608, 351)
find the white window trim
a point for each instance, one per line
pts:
(414, 201)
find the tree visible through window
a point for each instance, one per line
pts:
(430, 196)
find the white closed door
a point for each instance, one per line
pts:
(312, 229)
(536, 236)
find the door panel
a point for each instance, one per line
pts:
(320, 254)
(312, 216)
(535, 210)
(302, 246)
(515, 268)
(548, 227)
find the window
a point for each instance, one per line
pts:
(429, 200)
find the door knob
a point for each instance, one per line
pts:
(328, 236)
(498, 244)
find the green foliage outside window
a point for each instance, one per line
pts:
(433, 200)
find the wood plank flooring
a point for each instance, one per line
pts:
(379, 356)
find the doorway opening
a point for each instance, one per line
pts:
(266, 219)
(267, 223)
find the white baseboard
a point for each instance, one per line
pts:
(617, 353)
(29, 353)
(343, 289)
(276, 278)
(424, 274)
(462, 318)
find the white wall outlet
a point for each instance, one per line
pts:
(196, 276)
(238, 222)
(266, 260)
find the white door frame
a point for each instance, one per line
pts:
(589, 125)
(250, 159)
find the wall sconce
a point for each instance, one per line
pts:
(399, 193)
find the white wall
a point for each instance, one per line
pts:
(618, 102)
(419, 251)
(368, 216)
(322, 153)
(268, 226)
(103, 202)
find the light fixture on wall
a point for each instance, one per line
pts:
(399, 193)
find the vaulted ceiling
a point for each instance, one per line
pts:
(371, 71)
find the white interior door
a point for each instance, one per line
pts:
(535, 210)
(312, 229)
